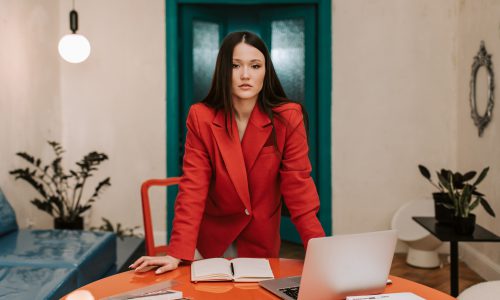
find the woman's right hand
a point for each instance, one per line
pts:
(146, 263)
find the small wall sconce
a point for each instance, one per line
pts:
(74, 48)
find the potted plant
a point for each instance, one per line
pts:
(442, 212)
(464, 196)
(61, 192)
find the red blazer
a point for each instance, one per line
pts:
(230, 191)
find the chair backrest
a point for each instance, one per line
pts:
(151, 249)
(7, 216)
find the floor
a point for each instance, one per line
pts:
(438, 278)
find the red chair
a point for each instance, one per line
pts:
(151, 249)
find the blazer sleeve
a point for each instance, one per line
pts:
(296, 185)
(193, 191)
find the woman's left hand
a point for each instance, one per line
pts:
(146, 263)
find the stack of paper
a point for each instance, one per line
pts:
(393, 296)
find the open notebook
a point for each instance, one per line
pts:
(237, 270)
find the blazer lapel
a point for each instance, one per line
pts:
(230, 149)
(256, 134)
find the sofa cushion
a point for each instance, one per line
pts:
(7, 216)
(24, 282)
(92, 254)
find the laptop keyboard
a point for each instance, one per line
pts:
(292, 292)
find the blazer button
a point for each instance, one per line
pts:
(246, 212)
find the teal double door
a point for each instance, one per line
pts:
(290, 34)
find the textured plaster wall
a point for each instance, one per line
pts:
(30, 110)
(394, 105)
(478, 20)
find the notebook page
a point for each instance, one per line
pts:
(212, 268)
(251, 269)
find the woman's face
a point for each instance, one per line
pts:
(248, 72)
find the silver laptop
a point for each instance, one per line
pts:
(340, 266)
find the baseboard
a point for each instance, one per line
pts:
(401, 247)
(479, 263)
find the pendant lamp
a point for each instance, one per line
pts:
(74, 48)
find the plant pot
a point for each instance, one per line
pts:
(76, 224)
(443, 215)
(464, 226)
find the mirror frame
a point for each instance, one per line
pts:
(482, 59)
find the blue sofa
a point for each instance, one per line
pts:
(47, 264)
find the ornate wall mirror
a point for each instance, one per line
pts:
(482, 59)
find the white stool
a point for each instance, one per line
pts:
(421, 243)
(483, 290)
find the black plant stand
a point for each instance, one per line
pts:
(447, 234)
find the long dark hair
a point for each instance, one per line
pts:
(271, 95)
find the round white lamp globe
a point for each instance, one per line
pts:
(74, 48)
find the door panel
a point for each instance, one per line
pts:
(288, 55)
(205, 47)
(201, 32)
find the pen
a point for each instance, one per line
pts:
(232, 268)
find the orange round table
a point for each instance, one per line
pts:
(180, 279)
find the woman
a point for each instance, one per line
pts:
(246, 147)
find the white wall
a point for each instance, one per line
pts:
(30, 112)
(394, 107)
(114, 102)
(479, 20)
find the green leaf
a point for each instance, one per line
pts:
(58, 149)
(30, 177)
(444, 181)
(43, 205)
(108, 225)
(464, 199)
(449, 206)
(483, 174)
(458, 181)
(474, 204)
(445, 173)
(469, 175)
(487, 207)
(468, 196)
(476, 193)
(425, 172)
(83, 209)
(101, 185)
(74, 174)
(27, 157)
(58, 202)
(56, 167)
